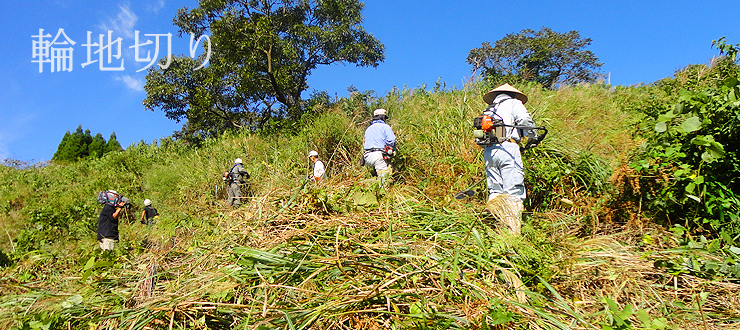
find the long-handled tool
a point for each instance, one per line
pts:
(468, 192)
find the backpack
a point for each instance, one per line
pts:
(110, 197)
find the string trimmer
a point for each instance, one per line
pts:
(468, 192)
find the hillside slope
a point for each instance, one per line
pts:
(343, 254)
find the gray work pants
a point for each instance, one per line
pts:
(235, 194)
(504, 170)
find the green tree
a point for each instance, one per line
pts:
(87, 139)
(543, 56)
(81, 144)
(113, 145)
(97, 146)
(74, 147)
(204, 98)
(263, 51)
(62, 150)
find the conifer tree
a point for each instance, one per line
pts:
(74, 147)
(113, 144)
(60, 154)
(96, 147)
(81, 144)
(85, 141)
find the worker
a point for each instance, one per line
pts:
(149, 213)
(235, 178)
(319, 171)
(108, 219)
(503, 160)
(380, 146)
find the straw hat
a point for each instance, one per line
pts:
(490, 96)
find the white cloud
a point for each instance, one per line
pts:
(132, 83)
(123, 24)
(155, 6)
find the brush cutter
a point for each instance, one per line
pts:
(489, 131)
(486, 134)
(468, 192)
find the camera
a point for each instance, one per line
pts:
(126, 202)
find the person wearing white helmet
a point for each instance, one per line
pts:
(149, 214)
(235, 178)
(380, 145)
(319, 171)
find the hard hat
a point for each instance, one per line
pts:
(379, 112)
(147, 202)
(313, 153)
(238, 161)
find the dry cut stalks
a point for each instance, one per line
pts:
(508, 210)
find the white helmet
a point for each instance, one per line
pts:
(379, 112)
(238, 161)
(147, 202)
(313, 153)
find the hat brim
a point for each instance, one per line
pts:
(505, 88)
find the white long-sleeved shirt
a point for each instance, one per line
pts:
(512, 112)
(319, 171)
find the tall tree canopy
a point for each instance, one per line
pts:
(263, 51)
(544, 56)
(81, 144)
(112, 145)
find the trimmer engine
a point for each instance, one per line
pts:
(488, 131)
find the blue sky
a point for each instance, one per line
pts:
(426, 41)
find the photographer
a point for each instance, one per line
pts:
(108, 220)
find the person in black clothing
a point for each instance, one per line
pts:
(108, 225)
(149, 213)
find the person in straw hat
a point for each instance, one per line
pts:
(503, 161)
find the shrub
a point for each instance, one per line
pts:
(690, 164)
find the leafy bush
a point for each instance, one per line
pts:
(689, 164)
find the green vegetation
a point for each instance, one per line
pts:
(545, 56)
(631, 223)
(80, 145)
(691, 146)
(263, 51)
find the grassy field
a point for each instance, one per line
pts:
(343, 254)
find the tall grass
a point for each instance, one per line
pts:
(302, 255)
